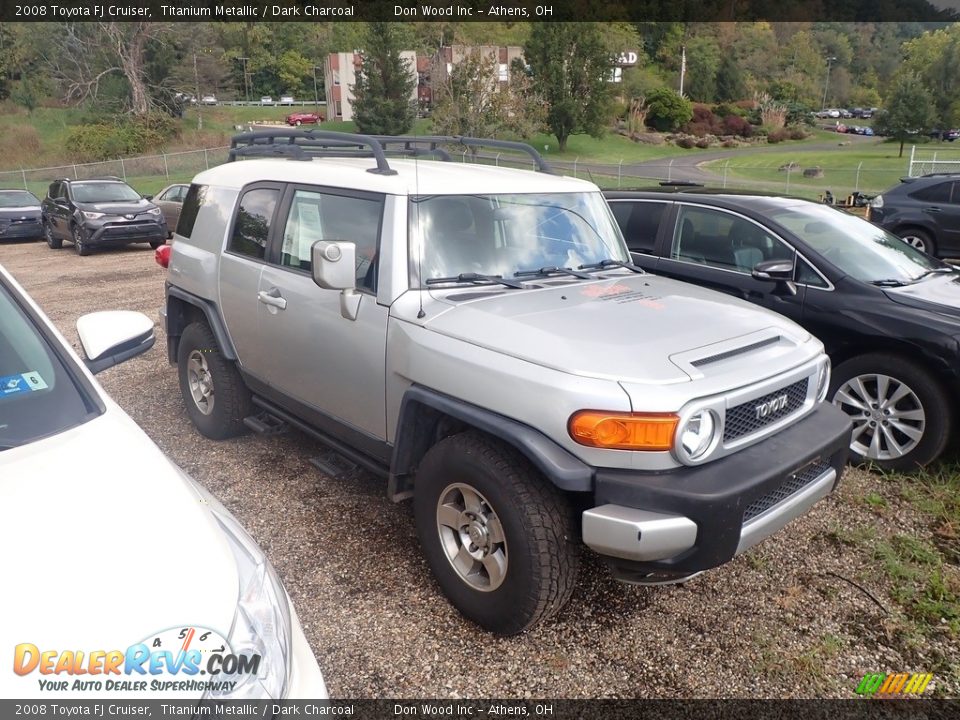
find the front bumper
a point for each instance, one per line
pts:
(691, 519)
(21, 229)
(306, 680)
(125, 233)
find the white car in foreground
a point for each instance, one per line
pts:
(122, 576)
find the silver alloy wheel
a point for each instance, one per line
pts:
(471, 536)
(918, 242)
(888, 417)
(200, 382)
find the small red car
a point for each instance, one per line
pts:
(304, 118)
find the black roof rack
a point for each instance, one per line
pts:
(307, 144)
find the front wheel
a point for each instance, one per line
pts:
(80, 242)
(54, 242)
(216, 397)
(154, 244)
(498, 537)
(901, 418)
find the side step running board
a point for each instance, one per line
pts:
(265, 424)
(334, 465)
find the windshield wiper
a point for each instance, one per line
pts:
(476, 279)
(605, 264)
(935, 271)
(889, 283)
(545, 271)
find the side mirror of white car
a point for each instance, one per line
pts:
(112, 336)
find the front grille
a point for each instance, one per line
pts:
(794, 483)
(744, 419)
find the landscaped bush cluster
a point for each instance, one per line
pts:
(130, 136)
(711, 122)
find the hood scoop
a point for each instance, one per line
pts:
(736, 351)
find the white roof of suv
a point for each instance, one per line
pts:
(414, 177)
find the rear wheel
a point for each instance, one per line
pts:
(154, 244)
(901, 418)
(919, 239)
(498, 537)
(215, 395)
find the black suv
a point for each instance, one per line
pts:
(924, 211)
(888, 315)
(100, 212)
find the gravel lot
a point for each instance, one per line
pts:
(779, 622)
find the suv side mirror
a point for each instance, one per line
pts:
(778, 271)
(112, 336)
(148, 197)
(61, 201)
(334, 267)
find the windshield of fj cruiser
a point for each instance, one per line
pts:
(17, 199)
(97, 192)
(505, 234)
(857, 247)
(37, 396)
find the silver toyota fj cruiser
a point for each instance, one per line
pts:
(478, 336)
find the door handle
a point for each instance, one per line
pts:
(933, 209)
(273, 298)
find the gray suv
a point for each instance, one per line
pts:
(478, 337)
(924, 211)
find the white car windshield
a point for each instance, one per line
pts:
(454, 235)
(855, 246)
(37, 395)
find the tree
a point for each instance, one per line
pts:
(571, 64)
(730, 85)
(666, 110)
(703, 58)
(909, 110)
(472, 101)
(383, 102)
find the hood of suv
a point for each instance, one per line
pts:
(117, 208)
(641, 328)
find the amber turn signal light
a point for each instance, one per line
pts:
(623, 431)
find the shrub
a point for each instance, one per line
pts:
(704, 122)
(667, 110)
(131, 136)
(686, 142)
(703, 143)
(724, 109)
(798, 133)
(778, 135)
(736, 125)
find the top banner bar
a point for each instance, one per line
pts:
(479, 11)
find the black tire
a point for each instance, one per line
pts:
(919, 239)
(925, 395)
(229, 404)
(298, 123)
(54, 242)
(154, 244)
(79, 242)
(539, 542)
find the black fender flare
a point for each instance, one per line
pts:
(177, 320)
(414, 437)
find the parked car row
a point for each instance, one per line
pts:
(863, 113)
(855, 129)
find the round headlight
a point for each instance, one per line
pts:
(698, 433)
(823, 382)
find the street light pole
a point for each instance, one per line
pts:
(826, 83)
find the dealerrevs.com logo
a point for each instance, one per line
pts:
(187, 659)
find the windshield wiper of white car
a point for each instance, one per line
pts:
(553, 270)
(476, 279)
(607, 264)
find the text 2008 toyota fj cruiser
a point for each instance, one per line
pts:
(478, 336)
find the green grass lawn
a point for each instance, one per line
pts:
(871, 167)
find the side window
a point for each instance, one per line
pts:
(806, 275)
(719, 239)
(53, 192)
(191, 207)
(639, 222)
(252, 225)
(323, 216)
(939, 193)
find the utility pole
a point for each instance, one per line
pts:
(196, 80)
(246, 85)
(826, 83)
(316, 94)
